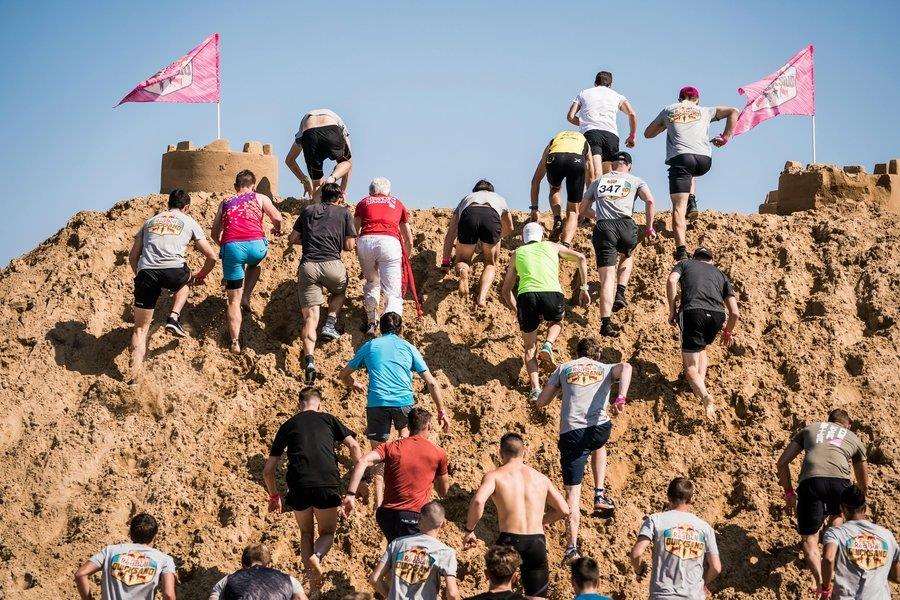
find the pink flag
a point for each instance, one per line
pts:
(791, 90)
(192, 78)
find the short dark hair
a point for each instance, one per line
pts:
(853, 499)
(839, 415)
(432, 515)
(585, 570)
(512, 444)
(354, 595)
(255, 553)
(483, 185)
(603, 78)
(178, 198)
(142, 528)
(244, 178)
(310, 392)
(390, 322)
(681, 490)
(418, 419)
(501, 563)
(331, 192)
(587, 348)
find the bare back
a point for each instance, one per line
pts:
(520, 496)
(317, 118)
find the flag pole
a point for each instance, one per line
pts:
(814, 138)
(219, 126)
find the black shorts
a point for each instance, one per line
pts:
(576, 446)
(604, 143)
(683, 168)
(699, 328)
(149, 284)
(817, 499)
(379, 420)
(612, 237)
(319, 143)
(534, 307)
(397, 523)
(478, 223)
(304, 498)
(568, 166)
(535, 573)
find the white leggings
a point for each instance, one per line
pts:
(381, 261)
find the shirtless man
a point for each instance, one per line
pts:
(521, 495)
(322, 135)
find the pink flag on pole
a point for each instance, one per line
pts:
(791, 90)
(192, 78)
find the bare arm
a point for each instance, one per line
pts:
(895, 572)
(435, 391)
(559, 508)
(451, 589)
(479, 501)
(167, 583)
(509, 283)
(791, 452)
(216, 231)
(589, 173)
(547, 395)
(672, 295)
(210, 260)
(349, 244)
(291, 161)
(713, 568)
(442, 485)
(506, 224)
(352, 445)
(645, 195)
(346, 375)
(829, 553)
(730, 114)
(379, 581)
(573, 255)
(654, 129)
(450, 238)
(637, 551)
(273, 213)
(82, 579)
(359, 470)
(137, 246)
(862, 476)
(269, 474)
(406, 236)
(572, 117)
(586, 209)
(733, 313)
(626, 108)
(622, 372)
(539, 171)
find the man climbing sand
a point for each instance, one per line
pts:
(567, 157)
(323, 230)
(706, 294)
(688, 153)
(831, 448)
(522, 497)
(238, 229)
(322, 135)
(684, 549)
(594, 110)
(480, 220)
(534, 273)
(256, 579)
(610, 200)
(158, 259)
(585, 426)
(313, 478)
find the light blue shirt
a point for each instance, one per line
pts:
(591, 596)
(390, 361)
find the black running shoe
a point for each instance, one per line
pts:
(619, 303)
(680, 254)
(692, 207)
(174, 327)
(310, 374)
(557, 230)
(609, 329)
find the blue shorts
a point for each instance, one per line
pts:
(238, 256)
(576, 446)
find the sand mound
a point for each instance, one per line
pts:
(81, 452)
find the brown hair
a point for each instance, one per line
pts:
(501, 563)
(418, 419)
(839, 415)
(255, 553)
(681, 490)
(585, 570)
(244, 179)
(587, 348)
(603, 78)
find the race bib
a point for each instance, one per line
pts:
(614, 188)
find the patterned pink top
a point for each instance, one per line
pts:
(242, 219)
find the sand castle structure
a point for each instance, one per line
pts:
(212, 167)
(817, 186)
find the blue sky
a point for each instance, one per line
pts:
(436, 95)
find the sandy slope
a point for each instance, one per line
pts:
(820, 295)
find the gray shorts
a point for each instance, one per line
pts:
(379, 420)
(313, 276)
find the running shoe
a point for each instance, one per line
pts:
(610, 329)
(557, 229)
(329, 332)
(174, 327)
(602, 502)
(692, 207)
(571, 555)
(619, 303)
(310, 374)
(545, 357)
(533, 395)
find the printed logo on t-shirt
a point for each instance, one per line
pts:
(165, 225)
(685, 114)
(389, 201)
(614, 188)
(867, 551)
(684, 541)
(831, 434)
(584, 375)
(133, 567)
(414, 565)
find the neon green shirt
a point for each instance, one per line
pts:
(537, 265)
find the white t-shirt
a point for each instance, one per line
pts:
(613, 194)
(131, 571)
(598, 108)
(492, 199)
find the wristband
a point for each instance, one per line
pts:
(349, 493)
(726, 335)
(533, 207)
(789, 494)
(620, 401)
(275, 496)
(471, 530)
(446, 262)
(441, 414)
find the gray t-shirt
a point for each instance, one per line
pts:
(681, 542)
(165, 238)
(494, 200)
(614, 194)
(687, 128)
(131, 571)
(829, 450)
(217, 590)
(416, 564)
(864, 558)
(585, 385)
(703, 286)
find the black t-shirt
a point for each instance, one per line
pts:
(703, 286)
(310, 438)
(323, 227)
(506, 595)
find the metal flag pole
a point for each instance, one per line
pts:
(814, 138)
(219, 127)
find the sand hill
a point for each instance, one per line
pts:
(81, 451)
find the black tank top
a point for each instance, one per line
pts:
(257, 583)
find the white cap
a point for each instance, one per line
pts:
(533, 232)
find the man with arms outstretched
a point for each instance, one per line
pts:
(831, 448)
(521, 495)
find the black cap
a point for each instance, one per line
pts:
(702, 253)
(622, 156)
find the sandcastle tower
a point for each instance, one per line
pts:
(212, 168)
